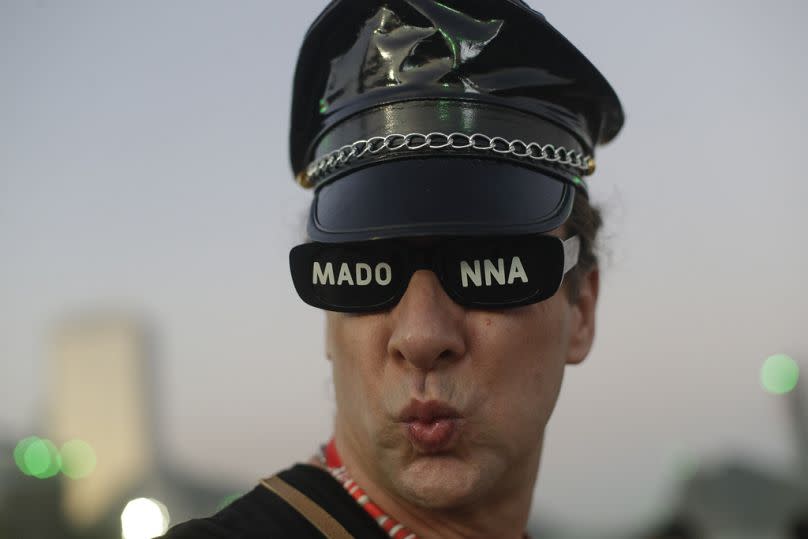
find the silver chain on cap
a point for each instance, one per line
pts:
(332, 161)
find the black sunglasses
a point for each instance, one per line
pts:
(485, 273)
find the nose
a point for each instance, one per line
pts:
(427, 324)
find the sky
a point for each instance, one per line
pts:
(144, 169)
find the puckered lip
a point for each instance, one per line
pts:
(427, 411)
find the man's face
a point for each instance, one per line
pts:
(500, 370)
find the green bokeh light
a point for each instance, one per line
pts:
(78, 459)
(19, 453)
(227, 500)
(779, 374)
(686, 466)
(41, 459)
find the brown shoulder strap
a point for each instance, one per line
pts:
(319, 517)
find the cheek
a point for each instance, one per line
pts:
(521, 361)
(355, 345)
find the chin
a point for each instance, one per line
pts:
(441, 482)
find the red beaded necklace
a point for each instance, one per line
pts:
(332, 461)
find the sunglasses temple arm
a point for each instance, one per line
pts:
(572, 248)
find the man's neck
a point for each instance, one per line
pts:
(502, 514)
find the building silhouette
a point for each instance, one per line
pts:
(738, 499)
(101, 389)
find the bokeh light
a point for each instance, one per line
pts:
(779, 374)
(144, 518)
(78, 459)
(41, 459)
(686, 466)
(19, 453)
(227, 500)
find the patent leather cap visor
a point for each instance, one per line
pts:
(443, 196)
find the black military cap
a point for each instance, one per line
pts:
(458, 117)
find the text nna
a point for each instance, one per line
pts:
(490, 273)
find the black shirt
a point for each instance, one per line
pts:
(262, 514)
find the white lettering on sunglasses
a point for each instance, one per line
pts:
(382, 274)
(489, 271)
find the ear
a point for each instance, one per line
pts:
(582, 320)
